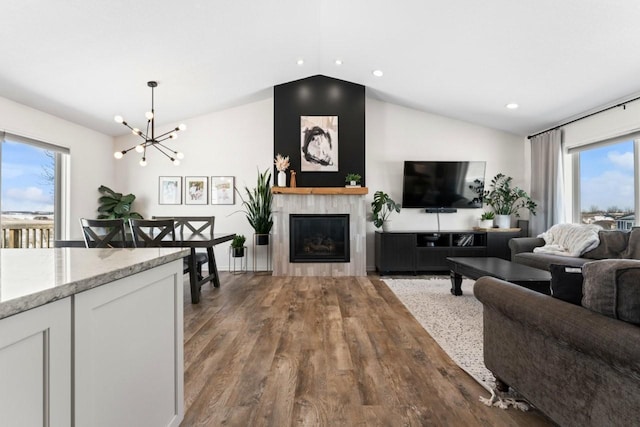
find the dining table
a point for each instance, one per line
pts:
(194, 241)
(184, 240)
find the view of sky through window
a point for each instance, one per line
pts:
(27, 178)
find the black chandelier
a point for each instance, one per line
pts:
(150, 139)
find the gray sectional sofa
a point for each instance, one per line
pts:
(614, 244)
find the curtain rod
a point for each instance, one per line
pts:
(584, 117)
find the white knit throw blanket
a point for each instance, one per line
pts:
(570, 239)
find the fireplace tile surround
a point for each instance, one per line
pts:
(319, 200)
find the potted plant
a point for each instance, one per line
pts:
(257, 207)
(506, 200)
(486, 220)
(382, 207)
(115, 205)
(237, 245)
(353, 179)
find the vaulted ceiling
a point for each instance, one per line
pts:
(89, 60)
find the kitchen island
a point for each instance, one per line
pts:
(91, 336)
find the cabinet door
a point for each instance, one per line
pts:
(129, 351)
(395, 252)
(35, 366)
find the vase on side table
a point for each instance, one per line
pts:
(282, 179)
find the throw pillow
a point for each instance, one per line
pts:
(612, 287)
(566, 283)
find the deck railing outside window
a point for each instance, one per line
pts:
(27, 234)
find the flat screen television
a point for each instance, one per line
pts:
(442, 184)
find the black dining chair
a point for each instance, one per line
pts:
(193, 226)
(103, 233)
(151, 232)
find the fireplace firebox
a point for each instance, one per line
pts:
(319, 238)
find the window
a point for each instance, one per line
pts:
(30, 192)
(605, 184)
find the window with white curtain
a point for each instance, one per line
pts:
(605, 183)
(31, 192)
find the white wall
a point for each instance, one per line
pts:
(91, 156)
(395, 134)
(235, 142)
(239, 141)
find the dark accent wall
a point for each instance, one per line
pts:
(320, 96)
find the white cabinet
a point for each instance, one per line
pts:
(128, 351)
(35, 366)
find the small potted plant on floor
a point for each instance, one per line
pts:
(237, 245)
(353, 179)
(257, 207)
(382, 207)
(115, 205)
(486, 220)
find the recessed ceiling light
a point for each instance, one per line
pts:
(300, 61)
(338, 61)
(378, 73)
(512, 106)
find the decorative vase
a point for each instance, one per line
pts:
(293, 179)
(282, 179)
(503, 221)
(386, 225)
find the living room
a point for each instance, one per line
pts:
(235, 135)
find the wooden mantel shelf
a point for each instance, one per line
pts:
(327, 191)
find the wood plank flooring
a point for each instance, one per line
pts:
(322, 351)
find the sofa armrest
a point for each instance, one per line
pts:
(524, 244)
(613, 341)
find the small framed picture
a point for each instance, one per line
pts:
(196, 190)
(170, 190)
(222, 192)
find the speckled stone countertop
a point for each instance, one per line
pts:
(33, 277)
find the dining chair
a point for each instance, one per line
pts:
(103, 233)
(151, 233)
(193, 226)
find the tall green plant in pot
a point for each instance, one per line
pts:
(507, 200)
(382, 207)
(115, 205)
(257, 207)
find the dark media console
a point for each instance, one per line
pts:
(426, 251)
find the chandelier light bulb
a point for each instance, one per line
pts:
(176, 162)
(173, 136)
(135, 131)
(182, 126)
(118, 154)
(139, 148)
(118, 119)
(179, 155)
(148, 115)
(143, 162)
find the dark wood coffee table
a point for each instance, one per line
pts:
(476, 267)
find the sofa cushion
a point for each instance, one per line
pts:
(613, 244)
(543, 261)
(612, 288)
(566, 283)
(633, 247)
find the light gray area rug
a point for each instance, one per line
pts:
(454, 322)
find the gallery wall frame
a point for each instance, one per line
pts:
(222, 190)
(170, 190)
(196, 190)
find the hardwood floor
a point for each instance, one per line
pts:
(280, 351)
